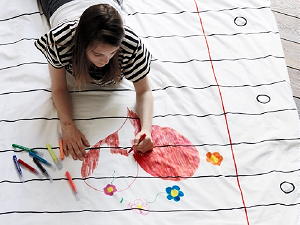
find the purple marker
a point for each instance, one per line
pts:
(17, 165)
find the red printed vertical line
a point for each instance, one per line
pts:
(225, 115)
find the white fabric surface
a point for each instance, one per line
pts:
(247, 62)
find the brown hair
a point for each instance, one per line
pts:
(99, 23)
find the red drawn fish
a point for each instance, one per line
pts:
(173, 157)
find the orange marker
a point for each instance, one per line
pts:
(72, 184)
(61, 150)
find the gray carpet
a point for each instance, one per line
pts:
(287, 14)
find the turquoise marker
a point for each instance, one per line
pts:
(33, 155)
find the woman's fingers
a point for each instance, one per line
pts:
(85, 141)
(80, 152)
(65, 149)
(73, 150)
(145, 145)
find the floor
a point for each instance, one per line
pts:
(287, 14)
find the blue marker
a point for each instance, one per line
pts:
(17, 166)
(33, 155)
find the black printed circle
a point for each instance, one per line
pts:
(264, 99)
(287, 187)
(240, 21)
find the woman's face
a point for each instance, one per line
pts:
(99, 53)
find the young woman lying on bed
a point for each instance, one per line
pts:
(88, 40)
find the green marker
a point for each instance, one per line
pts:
(24, 148)
(52, 154)
(54, 157)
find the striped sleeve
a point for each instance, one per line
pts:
(46, 45)
(136, 58)
(56, 45)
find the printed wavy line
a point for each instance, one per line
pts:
(149, 177)
(201, 35)
(173, 35)
(23, 39)
(155, 89)
(168, 61)
(177, 145)
(203, 11)
(22, 64)
(157, 116)
(218, 60)
(131, 14)
(21, 15)
(148, 210)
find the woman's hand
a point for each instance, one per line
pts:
(74, 142)
(144, 145)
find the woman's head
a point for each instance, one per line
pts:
(97, 39)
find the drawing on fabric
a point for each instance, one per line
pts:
(139, 206)
(110, 189)
(214, 158)
(174, 193)
(173, 157)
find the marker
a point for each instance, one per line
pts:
(43, 170)
(140, 140)
(17, 165)
(61, 150)
(52, 153)
(72, 184)
(24, 148)
(21, 162)
(54, 157)
(33, 155)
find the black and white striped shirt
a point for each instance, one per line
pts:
(57, 45)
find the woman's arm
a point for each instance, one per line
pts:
(61, 96)
(144, 108)
(73, 140)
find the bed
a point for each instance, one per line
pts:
(225, 125)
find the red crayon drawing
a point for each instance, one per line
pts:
(173, 157)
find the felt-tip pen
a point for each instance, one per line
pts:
(52, 153)
(71, 183)
(24, 148)
(17, 165)
(43, 170)
(39, 158)
(30, 168)
(140, 140)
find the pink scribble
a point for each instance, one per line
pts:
(119, 151)
(112, 140)
(140, 206)
(91, 159)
